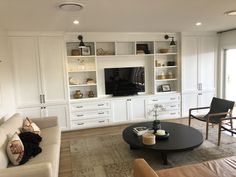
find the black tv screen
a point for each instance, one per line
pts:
(124, 81)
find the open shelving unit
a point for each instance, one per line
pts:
(82, 67)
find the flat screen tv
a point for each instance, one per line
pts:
(124, 81)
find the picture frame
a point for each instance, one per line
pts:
(86, 51)
(165, 88)
(143, 47)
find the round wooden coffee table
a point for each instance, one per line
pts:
(181, 138)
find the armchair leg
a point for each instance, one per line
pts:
(231, 125)
(219, 134)
(189, 118)
(207, 127)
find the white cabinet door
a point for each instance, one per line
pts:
(61, 111)
(119, 110)
(26, 71)
(137, 108)
(189, 100)
(52, 69)
(189, 64)
(34, 112)
(206, 63)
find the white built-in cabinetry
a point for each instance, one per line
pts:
(198, 71)
(40, 76)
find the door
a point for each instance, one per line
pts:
(137, 109)
(119, 110)
(189, 64)
(26, 71)
(206, 63)
(230, 74)
(52, 69)
(61, 111)
(189, 100)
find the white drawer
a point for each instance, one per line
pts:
(163, 99)
(90, 114)
(90, 105)
(89, 123)
(165, 114)
(166, 106)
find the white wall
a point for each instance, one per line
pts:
(227, 40)
(7, 99)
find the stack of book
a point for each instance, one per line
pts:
(140, 130)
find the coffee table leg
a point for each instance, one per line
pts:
(164, 158)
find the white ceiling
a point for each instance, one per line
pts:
(118, 15)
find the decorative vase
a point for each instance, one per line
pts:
(78, 94)
(90, 94)
(156, 125)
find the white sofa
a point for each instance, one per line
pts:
(45, 164)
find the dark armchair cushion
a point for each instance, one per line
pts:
(219, 106)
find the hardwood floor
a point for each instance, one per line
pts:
(65, 169)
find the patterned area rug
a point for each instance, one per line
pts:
(110, 156)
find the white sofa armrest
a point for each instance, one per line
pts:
(35, 170)
(46, 122)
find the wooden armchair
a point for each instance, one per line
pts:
(220, 109)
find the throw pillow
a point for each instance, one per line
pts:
(15, 149)
(30, 126)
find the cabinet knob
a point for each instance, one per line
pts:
(79, 106)
(101, 113)
(155, 100)
(80, 123)
(101, 121)
(100, 104)
(80, 115)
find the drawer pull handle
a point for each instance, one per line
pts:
(80, 115)
(155, 100)
(100, 104)
(101, 121)
(101, 113)
(172, 98)
(173, 106)
(173, 113)
(80, 123)
(79, 106)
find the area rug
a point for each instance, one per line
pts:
(110, 156)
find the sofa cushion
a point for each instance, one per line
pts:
(197, 170)
(13, 124)
(50, 153)
(225, 167)
(15, 149)
(51, 135)
(30, 126)
(3, 154)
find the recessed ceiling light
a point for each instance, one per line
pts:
(71, 6)
(198, 23)
(231, 12)
(76, 22)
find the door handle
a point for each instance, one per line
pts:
(41, 98)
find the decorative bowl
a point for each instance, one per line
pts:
(163, 50)
(163, 137)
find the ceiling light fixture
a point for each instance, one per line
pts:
(172, 43)
(198, 24)
(230, 13)
(71, 6)
(76, 22)
(81, 44)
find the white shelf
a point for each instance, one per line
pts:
(160, 80)
(81, 56)
(165, 67)
(81, 71)
(82, 85)
(166, 54)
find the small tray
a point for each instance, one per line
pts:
(163, 137)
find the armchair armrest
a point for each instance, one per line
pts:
(191, 109)
(142, 169)
(35, 170)
(227, 118)
(46, 122)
